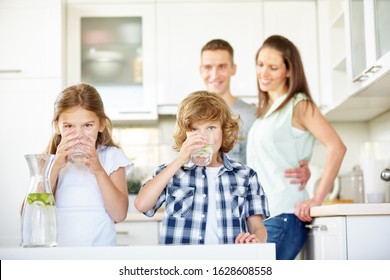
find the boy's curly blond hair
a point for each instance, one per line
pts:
(206, 106)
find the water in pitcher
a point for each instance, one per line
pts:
(39, 220)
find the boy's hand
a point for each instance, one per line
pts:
(301, 174)
(193, 142)
(246, 237)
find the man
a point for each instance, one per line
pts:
(216, 69)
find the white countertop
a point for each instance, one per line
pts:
(351, 209)
(264, 251)
(140, 217)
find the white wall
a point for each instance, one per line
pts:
(355, 136)
(363, 140)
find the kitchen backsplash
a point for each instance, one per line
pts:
(357, 136)
(147, 145)
(150, 145)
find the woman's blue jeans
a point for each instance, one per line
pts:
(288, 233)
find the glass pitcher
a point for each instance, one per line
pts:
(39, 220)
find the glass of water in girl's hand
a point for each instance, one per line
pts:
(203, 156)
(78, 152)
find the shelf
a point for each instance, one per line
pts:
(366, 104)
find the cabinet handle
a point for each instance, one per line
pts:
(122, 232)
(318, 227)
(361, 78)
(373, 69)
(5, 71)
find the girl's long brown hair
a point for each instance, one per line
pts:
(87, 97)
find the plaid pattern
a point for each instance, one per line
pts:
(239, 196)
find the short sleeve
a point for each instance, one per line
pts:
(161, 198)
(112, 158)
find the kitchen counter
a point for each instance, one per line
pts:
(140, 217)
(350, 209)
(265, 251)
(341, 232)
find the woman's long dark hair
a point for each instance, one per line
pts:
(296, 82)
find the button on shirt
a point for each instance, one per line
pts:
(238, 196)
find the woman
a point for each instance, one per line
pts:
(284, 133)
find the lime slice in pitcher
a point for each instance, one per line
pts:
(41, 199)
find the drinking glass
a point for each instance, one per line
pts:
(78, 152)
(203, 156)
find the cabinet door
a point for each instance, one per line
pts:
(368, 237)
(113, 48)
(26, 111)
(327, 239)
(182, 30)
(30, 34)
(382, 23)
(355, 58)
(137, 233)
(357, 37)
(289, 18)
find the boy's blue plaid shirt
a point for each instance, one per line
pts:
(239, 196)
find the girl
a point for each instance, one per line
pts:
(91, 194)
(288, 123)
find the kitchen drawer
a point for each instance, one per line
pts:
(137, 233)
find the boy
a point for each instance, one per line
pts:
(217, 204)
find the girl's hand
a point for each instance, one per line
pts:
(65, 147)
(246, 238)
(302, 210)
(88, 145)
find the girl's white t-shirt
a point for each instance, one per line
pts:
(81, 216)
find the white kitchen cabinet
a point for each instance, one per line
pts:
(369, 40)
(137, 233)
(355, 63)
(30, 37)
(327, 239)
(349, 232)
(26, 112)
(112, 46)
(332, 39)
(288, 18)
(183, 27)
(30, 80)
(369, 44)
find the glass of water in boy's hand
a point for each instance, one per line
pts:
(78, 152)
(203, 156)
